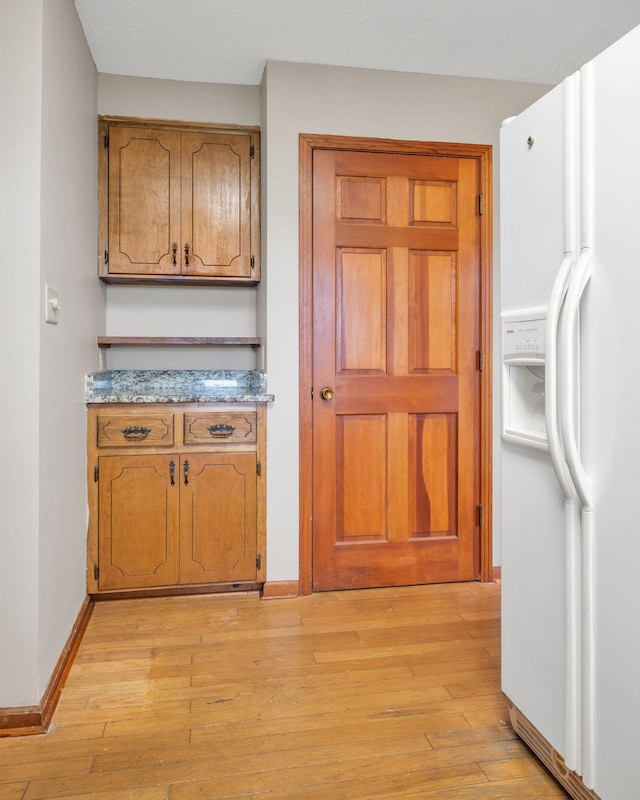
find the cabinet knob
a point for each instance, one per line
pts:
(326, 393)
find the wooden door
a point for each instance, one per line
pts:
(218, 517)
(396, 291)
(138, 521)
(144, 201)
(216, 195)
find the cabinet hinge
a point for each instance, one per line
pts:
(479, 360)
(96, 474)
(253, 261)
(259, 468)
(106, 140)
(252, 151)
(106, 256)
(258, 561)
(96, 572)
(480, 515)
(481, 204)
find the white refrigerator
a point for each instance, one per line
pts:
(570, 424)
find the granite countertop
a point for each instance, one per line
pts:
(176, 386)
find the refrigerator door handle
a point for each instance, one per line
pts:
(569, 409)
(559, 291)
(552, 412)
(573, 747)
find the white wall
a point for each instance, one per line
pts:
(302, 98)
(20, 43)
(48, 227)
(67, 350)
(180, 310)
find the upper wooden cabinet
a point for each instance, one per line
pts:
(178, 202)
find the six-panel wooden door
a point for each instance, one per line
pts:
(396, 301)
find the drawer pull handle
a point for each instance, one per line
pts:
(222, 430)
(172, 472)
(186, 471)
(174, 250)
(136, 432)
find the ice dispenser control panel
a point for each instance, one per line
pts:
(523, 341)
(523, 377)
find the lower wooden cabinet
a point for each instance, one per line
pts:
(138, 521)
(171, 508)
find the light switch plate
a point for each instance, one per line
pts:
(51, 304)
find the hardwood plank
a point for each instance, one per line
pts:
(490, 733)
(451, 648)
(298, 678)
(209, 722)
(45, 769)
(313, 753)
(542, 788)
(349, 692)
(13, 791)
(512, 768)
(415, 698)
(45, 748)
(141, 711)
(142, 793)
(394, 786)
(245, 738)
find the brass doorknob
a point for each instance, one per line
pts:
(326, 393)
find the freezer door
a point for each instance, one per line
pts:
(532, 503)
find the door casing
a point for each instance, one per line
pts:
(483, 153)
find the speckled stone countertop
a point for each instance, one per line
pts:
(176, 386)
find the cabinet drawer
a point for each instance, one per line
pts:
(135, 430)
(220, 427)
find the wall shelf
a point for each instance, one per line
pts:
(105, 342)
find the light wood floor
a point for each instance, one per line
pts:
(390, 693)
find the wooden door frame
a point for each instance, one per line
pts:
(483, 153)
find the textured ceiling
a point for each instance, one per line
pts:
(229, 41)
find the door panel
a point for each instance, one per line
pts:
(361, 459)
(432, 462)
(216, 202)
(432, 317)
(144, 200)
(138, 521)
(396, 268)
(362, 318)
(218, 517)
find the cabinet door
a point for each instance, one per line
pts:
(138, 514)
(216, 204)
(218, 517)
(144, 201)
